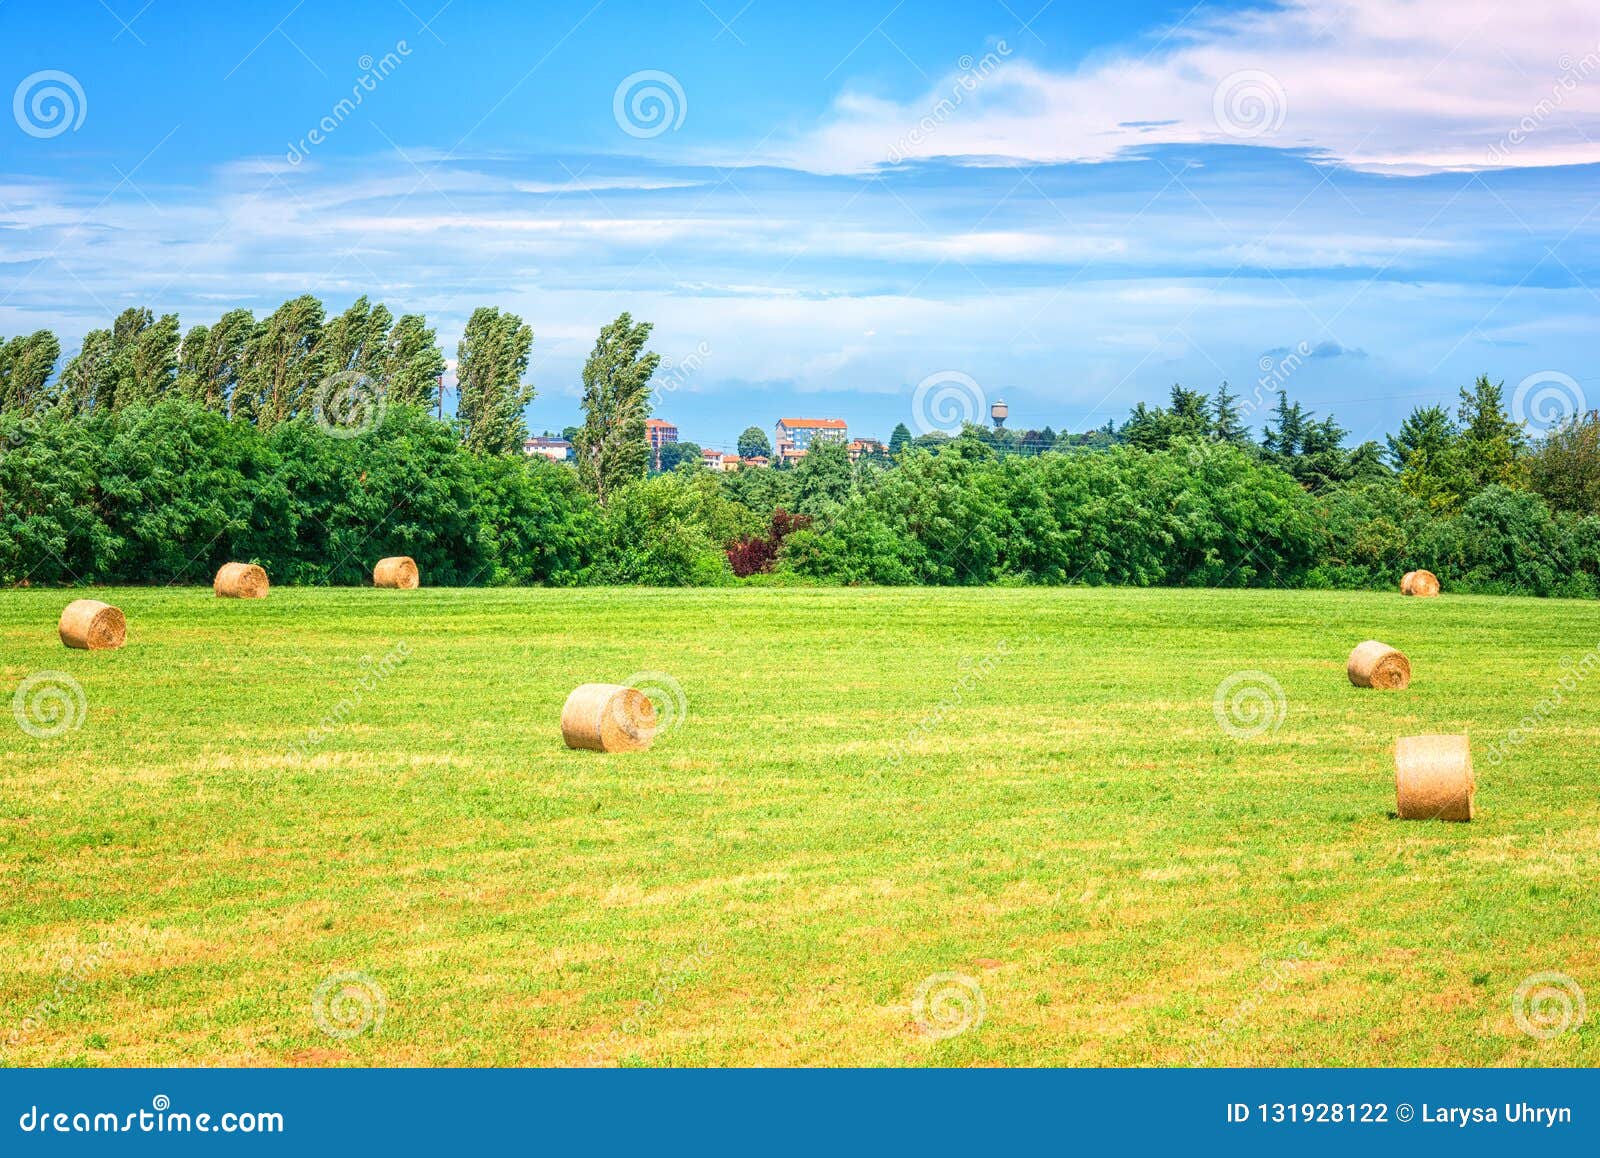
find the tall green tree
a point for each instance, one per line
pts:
(754, 442)
(357, 340)
(491, 359)
(413, 362)
(611, 448)
(1428, 429)
(1188, 415)
(26, 364)
(1285, 433)
(136, 361)
(1493, 446)
(211, 360)
(1366, 463)
(147, 356)
(1227, 424)
(822, 479)
(283, 364)
(88, 382)
(899, 438)
(1565, 469)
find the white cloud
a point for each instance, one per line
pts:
(1386, 85)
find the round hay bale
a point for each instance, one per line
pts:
(608, 718)
(1433, 778)
(1377, 665)
(1423, 583)
(240, 581)
(93, 626)
(399, 572)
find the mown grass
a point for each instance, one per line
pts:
(1127, 883)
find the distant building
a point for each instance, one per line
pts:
(861, 446)
(794, 436)
(717, 460)
(659, 433)
(555, 449)
(754, 461)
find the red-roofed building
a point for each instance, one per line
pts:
(793, 436)
(716, 460)
(659, 433)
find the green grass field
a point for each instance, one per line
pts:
(1113, 878)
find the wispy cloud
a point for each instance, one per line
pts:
(1386, 85)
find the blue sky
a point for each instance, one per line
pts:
(1071, 207)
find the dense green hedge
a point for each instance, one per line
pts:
(167, 493)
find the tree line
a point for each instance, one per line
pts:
(153, 458)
